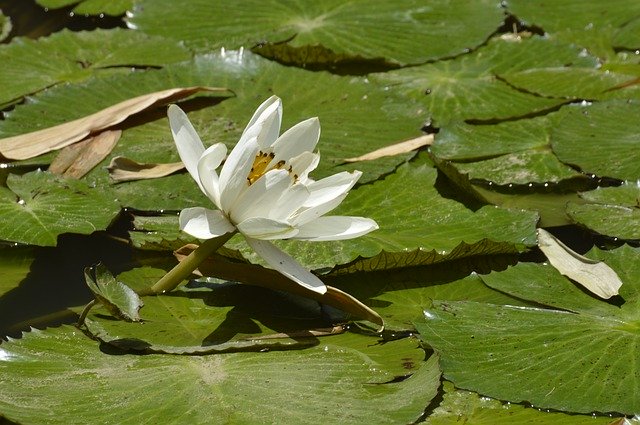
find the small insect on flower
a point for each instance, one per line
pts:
(264, 190)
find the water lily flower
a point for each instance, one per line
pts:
(264, 190)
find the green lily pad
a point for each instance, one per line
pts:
(14, 263)
(37, 207)
(609, 220)
(572, 83)
(584, 14)
(72, 378)
(208, 319)
(460, 406)
(91, 7)
(627, 195)
(467, 88)
(459, 141)
(539, 166)
(610, 211)
(600, 138)
(116, 297)
(400, 31)
(33, 65)
(400, 297)
(577, 356)
(629, 36)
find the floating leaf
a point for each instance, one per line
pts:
(571, 83)
(467, 407)
(552, 17)
(601, 138)
(301, 386)
(581, 358)
(33, 65)
(466, 88)
(402, 31)
(596, 276)
(629, 36)
(123, 169)
(610, 211)
(41, 141)
(37, 207)
(91, 7)
(78, 159)
(116, 297)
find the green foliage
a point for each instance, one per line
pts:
(91, 7)
(533, 105)
(571, 354)
(401, 32)
(304, 386)
(39, 206)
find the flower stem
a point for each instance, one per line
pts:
(184, 268)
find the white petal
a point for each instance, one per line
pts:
(336, 228)
(265, 123)
(259, 198)
(261, 109)
(202, 223)
(209, 161)
(266, 228)
(189, 145)
(287, 265)
(325, 195)
(303, 164)
(302, 137)
(290, 201)
(234, 174)
(331, 187)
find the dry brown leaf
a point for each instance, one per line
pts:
(594, 275)
(123, 169)
(216, 265)
(36, 143)
(396, 149)
(66, 156)
(78, 159)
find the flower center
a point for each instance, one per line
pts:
(261, 166)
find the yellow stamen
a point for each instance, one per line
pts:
(260, 164)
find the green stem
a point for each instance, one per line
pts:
(185, 267)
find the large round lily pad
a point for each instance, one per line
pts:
(74, 381)
(37, 207)
(399, 31)
(575, 353)
(33, 65)
(600, 138)
(467, 87)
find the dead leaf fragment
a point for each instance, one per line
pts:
(36, 143)
(78, 159)
(594, 275)
(123, 169)
(216, 265)
(395, 149)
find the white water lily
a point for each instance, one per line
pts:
(264, 190)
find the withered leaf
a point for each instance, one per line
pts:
(78, 159)
(123, 169)
(395, 149)
(36, 143)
